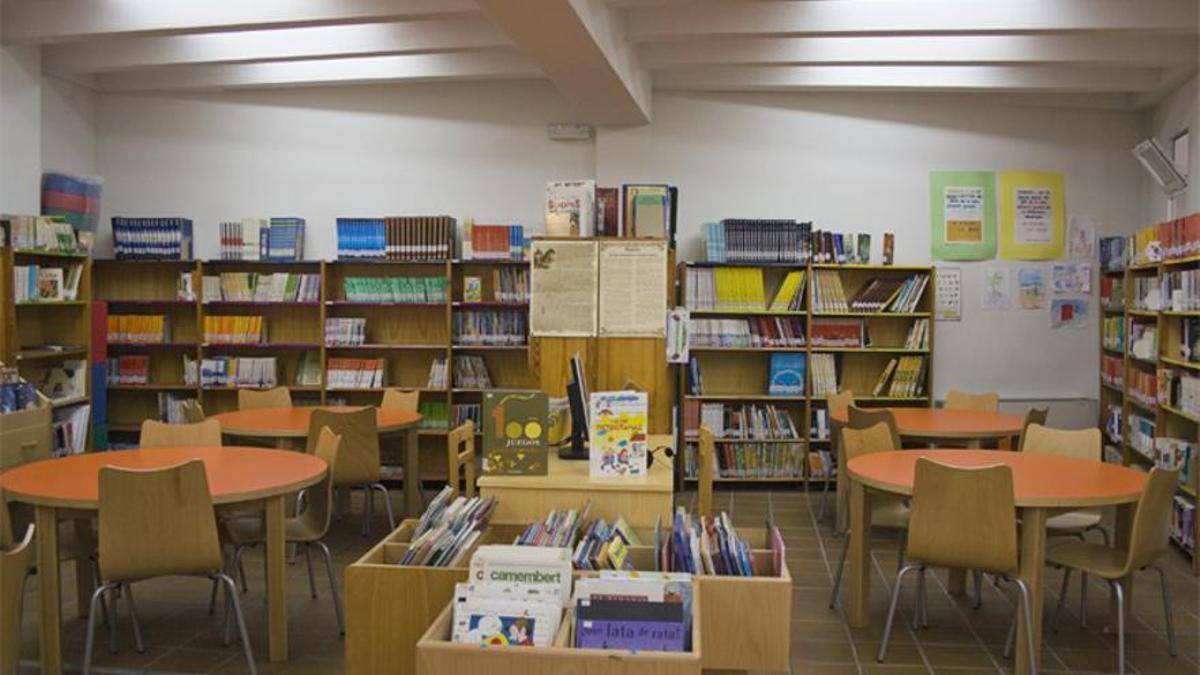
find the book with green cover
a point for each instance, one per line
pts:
(514, 433)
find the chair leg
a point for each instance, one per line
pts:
(1027, 616)
(1172, 646)
(133, 616)
(919, 606)
(837, 578)
(1062, 599)
(241, 567)
(312, 579)
(1083, 599)
(887, 627)
(901, 540)
(91, 627)
(114, 593)
(978, 590)
(1012, 636)
(387, 503)
(241, 621)
(333, 587)
(824, 498)
(103, 602)
(1120, 593)
(368, 507)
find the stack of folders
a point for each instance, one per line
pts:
(605, 546)
(129, 369)
(758, 331)
(240, 239)
(490, 327)
(434, 415)
(152, 238)
(493, 242)
(437, 374)
(234, 329)
(284, 240)
(634, 611)
(471, 372)
(251, 287)
(742, 240)
(918, 335)
(515, 597)
(239, 372)
(560, 528)
(447, 530)
(138, 328)
(343, 373)
(395, 290)
(345, 331)
(361, 238)
(828, 295)
(824, 375)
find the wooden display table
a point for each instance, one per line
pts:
(237, 478)
(287, 426)
(1042, 484)
(527, 499)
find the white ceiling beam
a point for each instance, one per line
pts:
(929, 78)
(893, 17)
(47, 21)
(414, 68)
(410, 37)
(581, 46)
(1084, 49)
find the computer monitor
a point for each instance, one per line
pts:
(577, 400)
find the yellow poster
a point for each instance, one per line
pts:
(1032, 215)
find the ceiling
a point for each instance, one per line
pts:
(606, 57)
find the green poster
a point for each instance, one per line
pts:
(962, 209)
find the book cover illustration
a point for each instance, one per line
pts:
(472, 289)
(787, 375)
(621, 624)
(617, 433)
(514, 433)
(498, 629)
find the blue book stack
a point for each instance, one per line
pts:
(361, 238)
(787, 374)
(283, 240)
(152, 238)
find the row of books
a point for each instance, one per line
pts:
(509, 284)
(906, 376)
(1143, 386)
(824, 375)
(461, 413)
(266, 287)
(1180, 238)
(1114, 253)
(726, 289)
(1113, 333)
(1112, 371)
(234, 329)
(1143, 340)
(239, 240)
(1147, 294)
(69, 427)
(712, 546)
(757, 460)
(152, 238)
(1183, 522)
(580, 208)
(558, 528)
(821, 464)
(1181, 290)
(138, 328)
(918, 335)
(493, 242)
(1142, 431)
(236, 372)
(759, 331)
(841, 333)
(342, 373)
(447, 529)
(603, 545)
(279, 239)
(1180, 390)
(514, 597)
(747, 240)
(36, 283)
(41, 233)
(471, 372)
(395, 290)
(129, 370)
(490, 327)
(1112, 292)
(1177, 452)
(171, 407)
(345, 331)
(434, 415)
(739, 422)
(828, 295)
(396, 238)
(1189, 338)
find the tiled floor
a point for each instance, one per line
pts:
(182, 638)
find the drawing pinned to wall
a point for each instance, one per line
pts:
(1068, 313)
(1031, 288)
(949, 294)
(962, 210)
(1031, 215)
(1072, 278)
(1081, 238)
(997, 291)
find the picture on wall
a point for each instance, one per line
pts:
(1032, 215)
(962, 210)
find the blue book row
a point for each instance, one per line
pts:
(283, 240)
(362, 238)
(152, 238)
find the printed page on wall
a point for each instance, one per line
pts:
(633, 289)
(1032, 215)
(1081, 238)
(963, 214)
(1031, 288)
(563, 287)
(949, 294)
(997, 291)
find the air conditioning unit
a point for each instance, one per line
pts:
(1152, 156)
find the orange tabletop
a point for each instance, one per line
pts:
(293, 422)
(234, 474)
(1039, 480)
(943, 423)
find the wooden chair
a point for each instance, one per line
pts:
(887, 511)
(157, 434)
(16, 557)
(835, 404)
(193, 412)
(307, 529)
(961, 518)
(1148, 540)
(706, 456)
(961, 400)
(401, 399)
(1034, 416)
(860, 418)
(153, 524)
(257, 399)
(460, 457)
(1080, 443)
(358, 458)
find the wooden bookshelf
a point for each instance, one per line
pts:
(739, 375)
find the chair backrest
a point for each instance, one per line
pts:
(156, 523)
(963, 517)
(401, 399)
(1080, 443)
(1034, 416)
(839, 402)
(358, 454)
(706, 457)
(255, 399)
(318, 505)
(157, 434)
(193, 412)
(862, 418)
(859, 442)
(1152, 521)
(961, 400)
(15, 559)
(460, 456)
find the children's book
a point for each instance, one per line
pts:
(787, 374)
(514, 433)
(617, 433)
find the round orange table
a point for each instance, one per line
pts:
(1042, 484)
(236, 476)
(942, 424)
(286, 425)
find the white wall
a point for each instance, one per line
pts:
(861, 163)
(1178, 111)
(68, 133)
(20, 129)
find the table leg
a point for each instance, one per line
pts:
(1005, 443)
(1122, 528)
(1033, 572)
(282, 443)
(412, 473)
(277, 613)
(85, 579)
(46, 520)
(859, 580)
